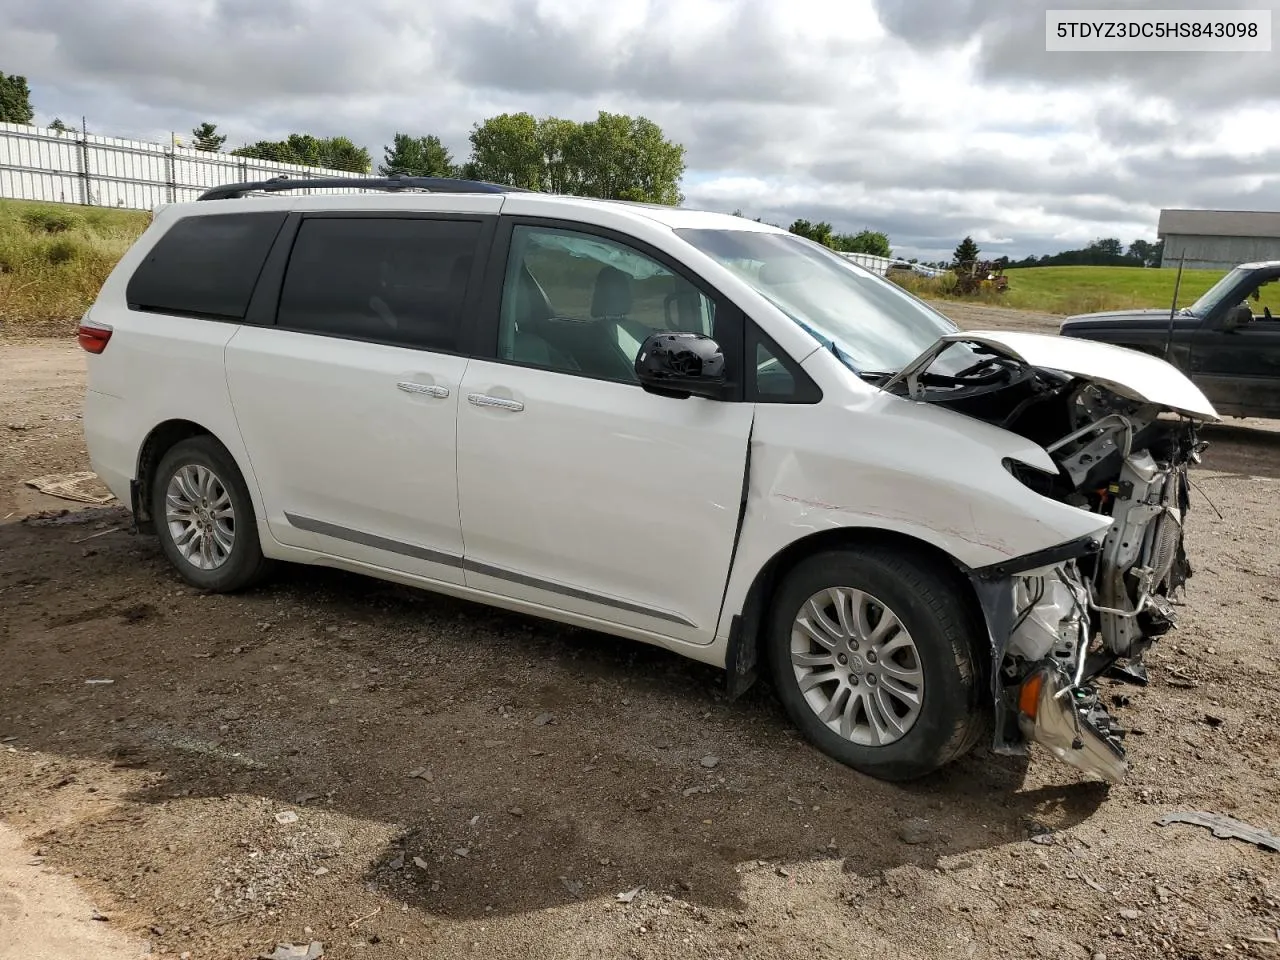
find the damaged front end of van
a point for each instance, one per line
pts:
(1122, 431)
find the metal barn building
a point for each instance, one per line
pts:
(1218, 239)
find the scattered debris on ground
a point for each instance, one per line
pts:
(1225, 827)
(293, 951)
(79, 486)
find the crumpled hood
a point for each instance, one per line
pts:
(1130, 373)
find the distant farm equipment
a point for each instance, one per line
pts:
(979, 276)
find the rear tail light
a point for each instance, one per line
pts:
(93, 336)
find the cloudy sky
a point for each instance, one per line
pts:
(927, 119)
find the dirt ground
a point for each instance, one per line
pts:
(395, 774)
(975, 316)
(44, 915)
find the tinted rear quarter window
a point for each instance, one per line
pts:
(205, 265)
(397, 280)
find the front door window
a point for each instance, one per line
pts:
(582, 304)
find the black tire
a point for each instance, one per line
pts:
(244, 565)
(953, 710)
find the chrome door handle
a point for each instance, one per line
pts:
(502, 403)
(431, 390)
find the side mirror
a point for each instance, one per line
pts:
(682, 365)
(1238, 316)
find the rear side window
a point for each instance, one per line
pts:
(205, 266)
(384, 279)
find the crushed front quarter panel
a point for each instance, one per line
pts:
(879, 463)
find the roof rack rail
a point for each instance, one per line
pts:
(391, 184)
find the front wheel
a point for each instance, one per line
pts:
(872, 652)
(204, 517)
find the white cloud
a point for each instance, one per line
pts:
(929, 119)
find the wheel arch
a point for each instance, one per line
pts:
(155, 445)
(743, 663)
(1142, 346)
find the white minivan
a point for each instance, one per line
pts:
(684, 428)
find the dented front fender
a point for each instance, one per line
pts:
(883, 463)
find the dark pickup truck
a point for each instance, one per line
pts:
(1227, 342)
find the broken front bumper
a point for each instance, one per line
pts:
(1069, 726)
(1048, 706)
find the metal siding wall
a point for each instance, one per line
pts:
(1218, 253)
(40, 164)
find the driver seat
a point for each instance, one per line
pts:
(611, 298)
(611, 301)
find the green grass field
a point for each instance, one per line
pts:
(1068, 290)
(53, 260)
(1071, 290)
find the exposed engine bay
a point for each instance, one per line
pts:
(1090, 608)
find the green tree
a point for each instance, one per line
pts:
(818, 232)
(333, 153)
(966, 252)
(206, 137)
(417, 157)
(340, 153)
(15, 100)
(61, 127)
(505, 149)
(1145, 252)
(865, 241)
(613, 157)
(1108, 246)
(618, 157)
(555, 139)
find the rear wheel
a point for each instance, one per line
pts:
(873, 657)
(204, 517)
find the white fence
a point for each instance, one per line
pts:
(881, 265)
(871, 261)
(37, 163)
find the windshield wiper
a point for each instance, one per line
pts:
(873, 377)
(876, 377)
(826, 342)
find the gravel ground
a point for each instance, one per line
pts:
(395, 774)
(974, 316)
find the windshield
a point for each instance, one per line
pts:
(1214, 296)
(873, 324)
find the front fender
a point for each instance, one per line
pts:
(883, 463)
